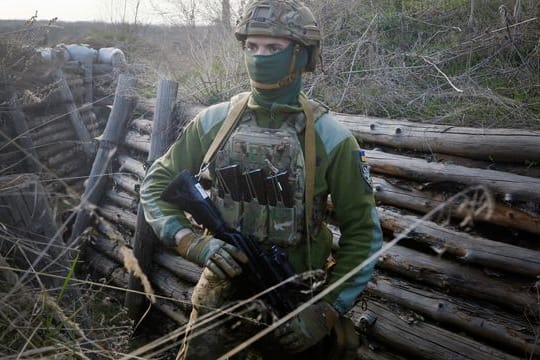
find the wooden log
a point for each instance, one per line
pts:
(504, 332)
(406, 197)
(24, 139)
(144, 126)
(476, 143)
(144, 240)
(55, 138)
(36, 241)
(64, 157)
(377, 352)
(104, 265)
(37, 122)
(418, 339)
(122, 199)
(80, 130)
(49, 150)
(127, 183)
(119, 277)
(460, 279)
(469, 249)
(146, 107)
(123, 104)
(76, 177)
(50, 129)
(118, 215)
(525, 168)
(129, 164)
(183, 269)
(520, 187)
(170, 286)
(137, 141)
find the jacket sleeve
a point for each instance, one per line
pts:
(350, 186)
(186, 153)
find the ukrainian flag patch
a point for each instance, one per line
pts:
(364, 168)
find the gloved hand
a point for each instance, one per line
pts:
(307, 328)
(221, 258)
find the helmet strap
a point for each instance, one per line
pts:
(287, 80)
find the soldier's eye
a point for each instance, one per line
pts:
(251, 47)
(275, 48)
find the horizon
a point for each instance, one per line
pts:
(109, 11)
(155, 12)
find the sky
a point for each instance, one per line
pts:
(84, 10)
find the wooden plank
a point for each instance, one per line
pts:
(145, 239)
(118, 118)
(80, 130)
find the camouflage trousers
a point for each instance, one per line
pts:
(208, 338)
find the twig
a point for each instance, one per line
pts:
(442, 73)
(514, 25)
(354, 59)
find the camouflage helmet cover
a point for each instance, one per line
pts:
(281, 18)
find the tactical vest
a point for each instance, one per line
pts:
(259, 178)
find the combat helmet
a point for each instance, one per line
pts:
(282, 18)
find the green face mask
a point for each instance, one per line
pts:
(270, 69)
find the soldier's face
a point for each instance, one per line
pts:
(265, 45)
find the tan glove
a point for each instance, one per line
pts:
(307, 328)
(219, 257)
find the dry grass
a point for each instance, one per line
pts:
(424, 61)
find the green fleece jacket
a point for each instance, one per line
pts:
(341, 171)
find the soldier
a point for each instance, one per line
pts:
(302, 154)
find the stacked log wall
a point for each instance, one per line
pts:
(451, 289)
(61, 123)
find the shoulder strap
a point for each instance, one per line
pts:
(309, 155)
(237, 108)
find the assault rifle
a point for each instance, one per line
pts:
(265, 268)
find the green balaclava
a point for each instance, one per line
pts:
(270, 69)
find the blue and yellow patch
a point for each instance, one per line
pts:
(362, 155)
(364, 168)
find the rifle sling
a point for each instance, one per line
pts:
(309, 155)
(225, 130)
